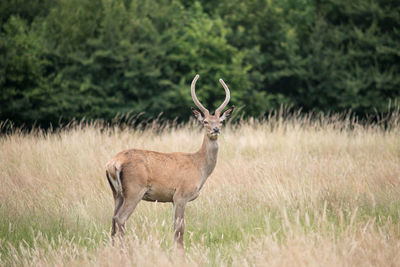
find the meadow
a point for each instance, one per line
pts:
(295, 190)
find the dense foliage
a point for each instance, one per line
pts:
(96, 58)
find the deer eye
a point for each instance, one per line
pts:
(205, 122)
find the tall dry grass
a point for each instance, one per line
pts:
(288, 191)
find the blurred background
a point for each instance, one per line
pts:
(65, 59)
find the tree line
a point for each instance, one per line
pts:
(64, 59)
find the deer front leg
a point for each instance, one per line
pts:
(179, 222)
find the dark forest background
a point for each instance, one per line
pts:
(97, 58)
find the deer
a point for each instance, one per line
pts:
(177, 177)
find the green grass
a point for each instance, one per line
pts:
(295, 194)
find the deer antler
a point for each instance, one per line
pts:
(195, 100)
(227, 98)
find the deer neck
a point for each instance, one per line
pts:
(208, 155)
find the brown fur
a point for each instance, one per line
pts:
(160, 173)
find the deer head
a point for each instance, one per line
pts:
(212, 123)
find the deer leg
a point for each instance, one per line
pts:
(118, 203)
(179, 222)
(128, 206)
(118, 200)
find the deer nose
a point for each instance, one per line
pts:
(216, 130)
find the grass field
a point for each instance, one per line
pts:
(294, 191)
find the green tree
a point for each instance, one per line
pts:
(97, 58)
(23, 85)
(354, 64)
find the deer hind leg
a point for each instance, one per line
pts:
(179, 221)
(130, 201)
(118, 199)
(118, 203)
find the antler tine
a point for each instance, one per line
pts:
(227, 98)
(195, 100)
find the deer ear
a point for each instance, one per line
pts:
(227, 113)
(197, 114)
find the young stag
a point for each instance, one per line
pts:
(136, 175)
